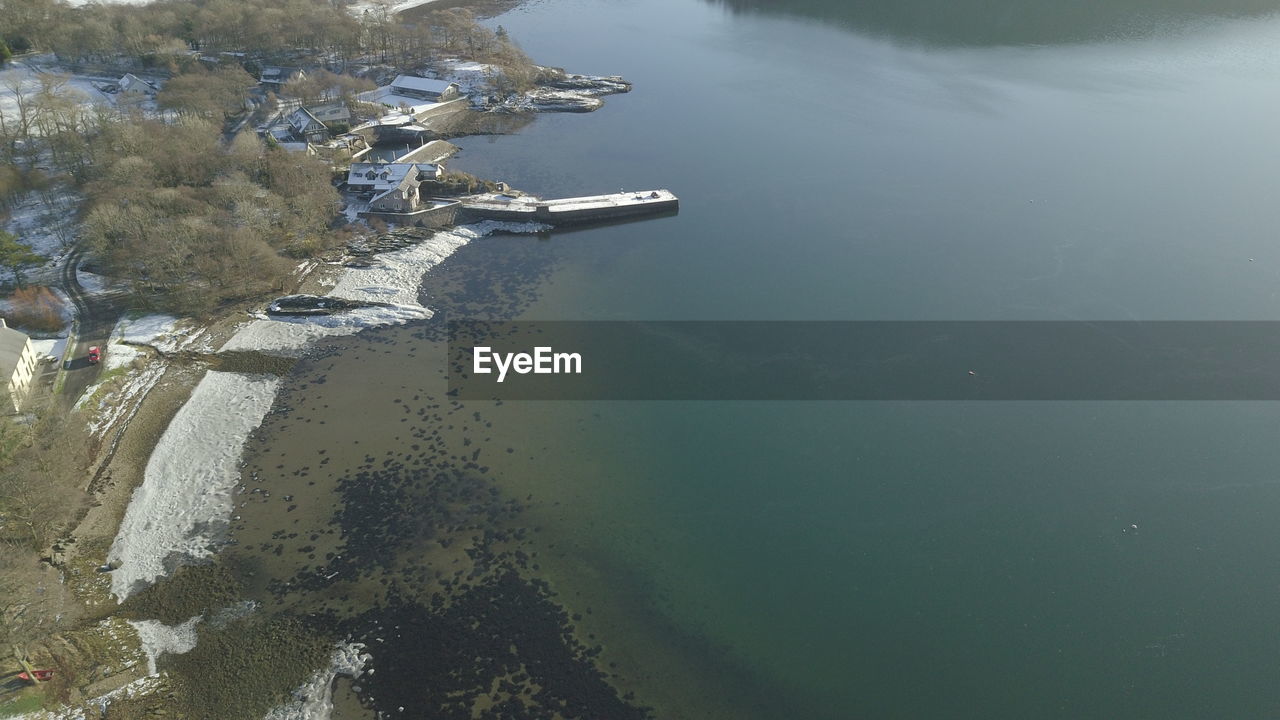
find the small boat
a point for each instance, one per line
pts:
(40, 675)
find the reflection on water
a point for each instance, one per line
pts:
(1006, 22)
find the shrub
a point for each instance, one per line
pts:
(36, 308)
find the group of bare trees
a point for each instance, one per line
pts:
(216, 94)
(163, 35)
(192, 222)
(323, 86)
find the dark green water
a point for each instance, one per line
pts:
(835, 161)
(889, 560)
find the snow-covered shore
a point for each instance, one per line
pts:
(393, 281)
(179, 511)
(185, 498)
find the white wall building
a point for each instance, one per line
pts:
(18, 363)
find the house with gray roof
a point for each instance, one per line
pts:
(274, 77)
(307, 126)
(424, 88)
(331, 114)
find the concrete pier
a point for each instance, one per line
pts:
(568, 211)
(432, 152)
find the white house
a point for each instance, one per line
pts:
(17, 366)
(133, 86)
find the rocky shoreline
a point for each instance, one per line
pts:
(501, 575)
(562, 92)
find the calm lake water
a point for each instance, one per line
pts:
(883, 560)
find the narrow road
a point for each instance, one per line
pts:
(98, 314)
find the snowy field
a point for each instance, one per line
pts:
(45, 222)
(186, 491)
(472, 77)
(26, 74)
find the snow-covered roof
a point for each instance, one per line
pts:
(274, 74)
(421, 84)
(385, 176)
(302, 118)
(386, 96)
(331, 112)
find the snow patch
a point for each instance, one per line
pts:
(92, 283)
(49, 347)
(26, 77)
(159, 331)
(392, 6)
(185, 497)
(158, 638)
(314, 700)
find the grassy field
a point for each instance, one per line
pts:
(19, 703)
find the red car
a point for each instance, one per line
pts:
(94, 355)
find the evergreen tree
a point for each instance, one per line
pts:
(17, 257)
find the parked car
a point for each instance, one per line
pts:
(94, 355)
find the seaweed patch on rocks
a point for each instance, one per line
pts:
(314, 699)
(247, 667)
(192, 590)
(503, 646)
